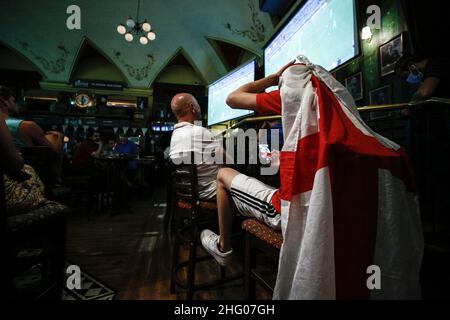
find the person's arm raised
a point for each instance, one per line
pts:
(245, 96)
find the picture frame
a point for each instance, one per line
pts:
(354, 85)
(380, 96)
(390, 53)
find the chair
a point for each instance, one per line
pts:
(194, 215)
(38, 239)
(259, 237)
(41, 159)
(43, 230)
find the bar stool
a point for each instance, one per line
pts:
(190, 216)
(258, 237)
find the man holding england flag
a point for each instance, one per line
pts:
(347, 199)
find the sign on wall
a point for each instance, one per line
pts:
(96, 84)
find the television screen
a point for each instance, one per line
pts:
(325, 31)
(218, 110)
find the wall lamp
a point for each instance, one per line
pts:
(366, 34)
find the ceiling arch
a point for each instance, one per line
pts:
(11, 58)
(92, 63)
(231, 54)
(182, 52)
(256, 52)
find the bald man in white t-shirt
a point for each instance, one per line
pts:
(188, 137)
(249, 196)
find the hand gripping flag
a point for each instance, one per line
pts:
(348, 199)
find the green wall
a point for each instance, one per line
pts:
(393, 23)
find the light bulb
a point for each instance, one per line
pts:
(146, 26)
(143, 40)
(121, 29)
(366, 34)
(129, 37)
(130, 22)
(151, 36)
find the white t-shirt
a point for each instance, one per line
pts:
(187, 138)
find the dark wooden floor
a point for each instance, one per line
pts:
(130, 252)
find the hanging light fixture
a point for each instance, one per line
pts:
(366, 34)
(142, 30)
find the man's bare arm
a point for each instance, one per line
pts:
(427, 89)
(35, 133)
(245, 96)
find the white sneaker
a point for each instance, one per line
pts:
(210, 242)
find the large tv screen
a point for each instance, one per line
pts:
(325, 31)
(218, 110)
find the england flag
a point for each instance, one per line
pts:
(350, 215)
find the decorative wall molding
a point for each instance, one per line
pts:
(256, 33)
(57, 66)
(136, 73)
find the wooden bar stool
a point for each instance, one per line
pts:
(190, 217)
(258, 237)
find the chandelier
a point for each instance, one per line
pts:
(133, 28)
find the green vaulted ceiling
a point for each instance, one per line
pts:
(37, 30)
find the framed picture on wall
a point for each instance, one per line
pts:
(354, 85)
(390, 53)
(380, 96)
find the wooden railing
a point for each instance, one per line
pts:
(410, 105)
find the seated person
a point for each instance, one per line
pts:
(189, 136)
(108, 149)
(249, 196)
(341, 190)
(30, 221)
(128, 148)
(24, 191)
(86, 151)
(433, 76)
(28, 133)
